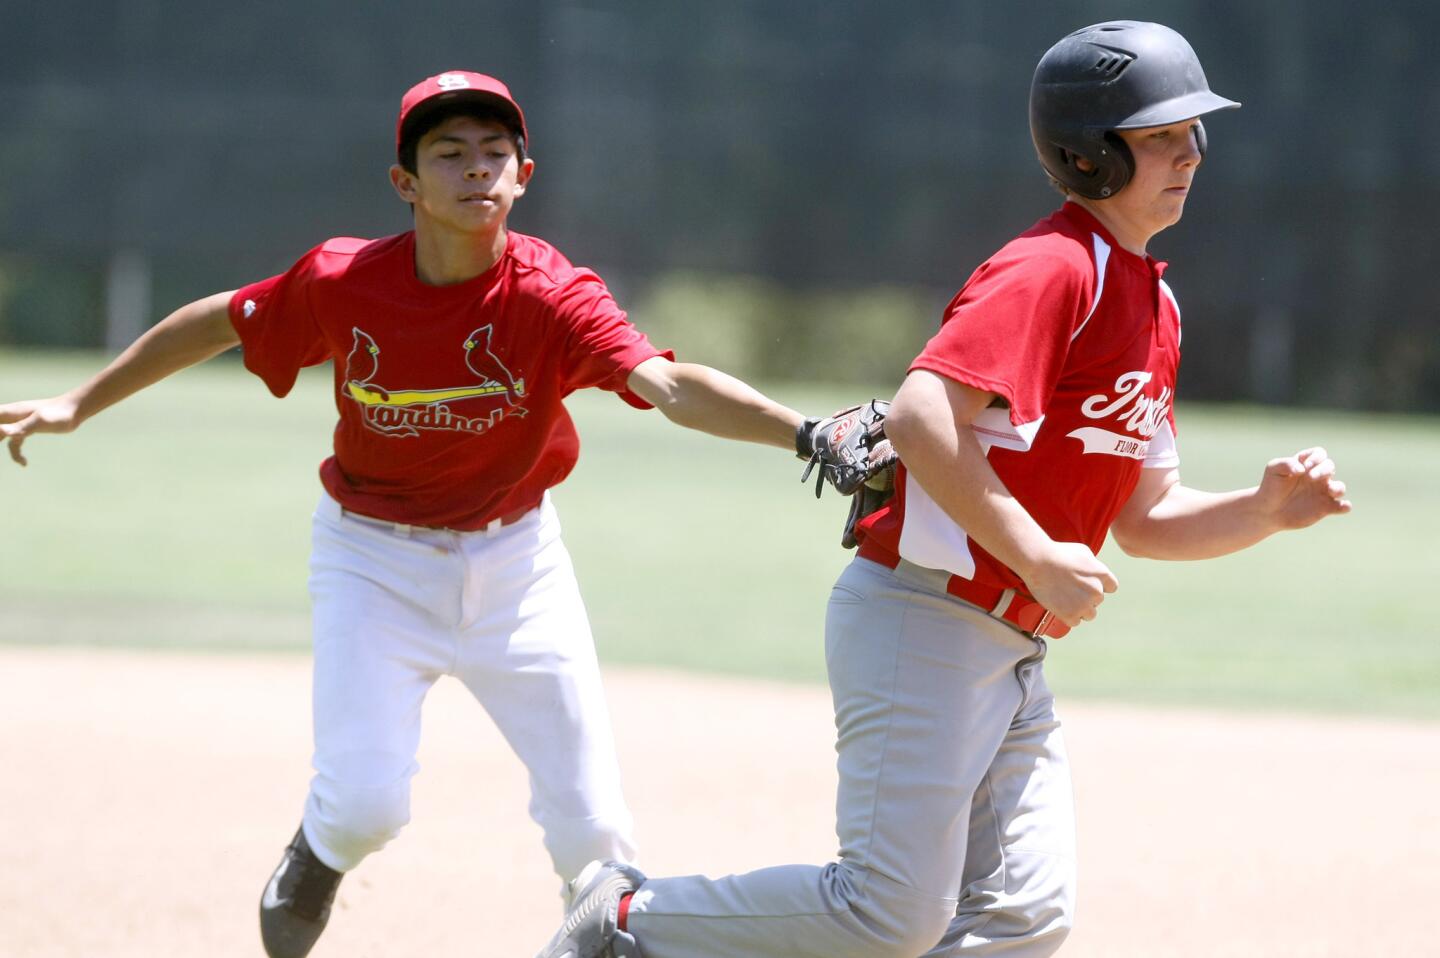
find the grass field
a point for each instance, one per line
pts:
(180, 518)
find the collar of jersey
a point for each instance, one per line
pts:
(475, 284)
(1086, 220)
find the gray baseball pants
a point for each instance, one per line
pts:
(954, 814)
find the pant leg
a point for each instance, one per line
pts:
(527, 655)
(925, 690)
(1019, 893)
(380, 607)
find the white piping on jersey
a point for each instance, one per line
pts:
(993, 428)
(1164, 452)
(1102, 256)
(1165, 288)
(928, 536)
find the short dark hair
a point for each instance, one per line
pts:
(422, 121)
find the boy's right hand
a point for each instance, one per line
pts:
(1071, 582)
(19, 420)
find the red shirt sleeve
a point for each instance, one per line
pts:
(1009, 329)
(602, 347)
(277, 327)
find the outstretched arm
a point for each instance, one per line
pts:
(191, 334)
(1166, 520)
(706, 399)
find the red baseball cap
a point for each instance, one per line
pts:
(453, 85)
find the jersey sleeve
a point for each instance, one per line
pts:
(1009, 329)
(1164, 451)
(602, 347)
(279, 334)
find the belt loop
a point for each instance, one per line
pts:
(1042, 625)
(331, 507)
(998, 612)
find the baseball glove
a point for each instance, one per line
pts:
(871, 495)
(854, 456)
(849, 447)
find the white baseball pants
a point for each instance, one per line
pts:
(954, 814)
(395, 608)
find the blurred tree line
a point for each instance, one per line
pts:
(788, 189)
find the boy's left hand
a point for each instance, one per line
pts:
(1300, 490)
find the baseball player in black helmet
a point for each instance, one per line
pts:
(1121, 75)
(1035, 422)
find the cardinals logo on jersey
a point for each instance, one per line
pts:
(404, 412)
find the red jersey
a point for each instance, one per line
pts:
(1082, 339)
(449, 396)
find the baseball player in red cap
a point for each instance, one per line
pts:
(1037, 419)
(436, 550)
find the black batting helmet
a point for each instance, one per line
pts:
(1119, 75)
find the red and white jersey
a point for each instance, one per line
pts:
(1082, 340)
(449, 396)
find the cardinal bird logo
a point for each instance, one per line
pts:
(492, 371)
(404, 412)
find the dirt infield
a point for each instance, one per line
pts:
(145, 797)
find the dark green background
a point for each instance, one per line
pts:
(828, 160)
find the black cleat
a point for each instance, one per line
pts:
(296, 902)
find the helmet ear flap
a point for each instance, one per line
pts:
(1118, 167)
(1200, 137)
(1113, 165)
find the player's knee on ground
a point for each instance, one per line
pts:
(346, 823)
(893, 920)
